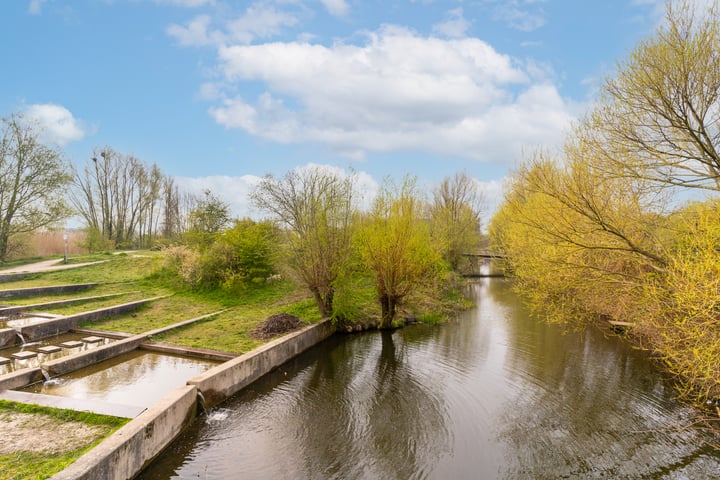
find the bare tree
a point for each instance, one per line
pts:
(455, 217)
(32, 176)
(316, 204)
(118, 196)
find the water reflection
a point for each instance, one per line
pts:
(137, 378)
(494, 394)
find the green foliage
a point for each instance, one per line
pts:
(240, 256)
(207, 220)
(95, 241)
(32, 179)
(394, 244)
(590, 235)
(316, 206)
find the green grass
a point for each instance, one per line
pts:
(31, 465)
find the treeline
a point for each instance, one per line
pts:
(123, 201)
(317, 234)
(599, 231)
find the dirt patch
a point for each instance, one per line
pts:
(276, 325)
(37, 433)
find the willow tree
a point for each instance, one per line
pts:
(32, 177)
(659, 116)
(315, 205)
(578, 241)
(394, 243)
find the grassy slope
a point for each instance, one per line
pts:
(139, 275)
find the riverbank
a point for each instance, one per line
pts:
(123, 277)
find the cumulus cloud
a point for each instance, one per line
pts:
(56, 123)
(396, 91)
(455, 26)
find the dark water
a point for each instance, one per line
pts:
(493, 395)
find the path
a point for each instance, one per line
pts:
(46, 266)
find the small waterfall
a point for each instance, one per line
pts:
(46, 375)
(20, 336)
(201, 402)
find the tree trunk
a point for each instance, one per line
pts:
(388, 304)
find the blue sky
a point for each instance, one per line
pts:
(219, 93)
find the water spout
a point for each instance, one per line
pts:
(46, 375)
(20, 336)
(201, 402)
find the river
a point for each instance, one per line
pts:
(494, 394)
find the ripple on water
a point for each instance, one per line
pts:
(494, 395)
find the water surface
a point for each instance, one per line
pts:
(138, 378)
(494, 394)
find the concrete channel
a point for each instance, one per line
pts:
(125, 453)
(131, 448)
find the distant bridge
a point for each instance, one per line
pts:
(472, 266)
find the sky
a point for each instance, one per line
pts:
(219, 93)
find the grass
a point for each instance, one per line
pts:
(139, 275)
(40, 465)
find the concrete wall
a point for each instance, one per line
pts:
(76, 361)
(56, 326)
(8, 337)
(122, 455)
(26, 292)
(20, 378)
(57, 303)
(221, 382)
(12, 277)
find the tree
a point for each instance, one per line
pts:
(659, 117)
(316, 205)
(455, 217)
(32, 176)
(210, 216)
(394, 242)
(118, 196)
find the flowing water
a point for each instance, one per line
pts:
(493, 395)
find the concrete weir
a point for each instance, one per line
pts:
(55, 326)
(124, 454)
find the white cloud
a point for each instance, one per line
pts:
(519, 17)
(455, 26)
(235, 191)
(336, 7)
(396, 92)
(194, 34)
(56, 122)
(259, 20)
(232, 190)
(35, 7)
